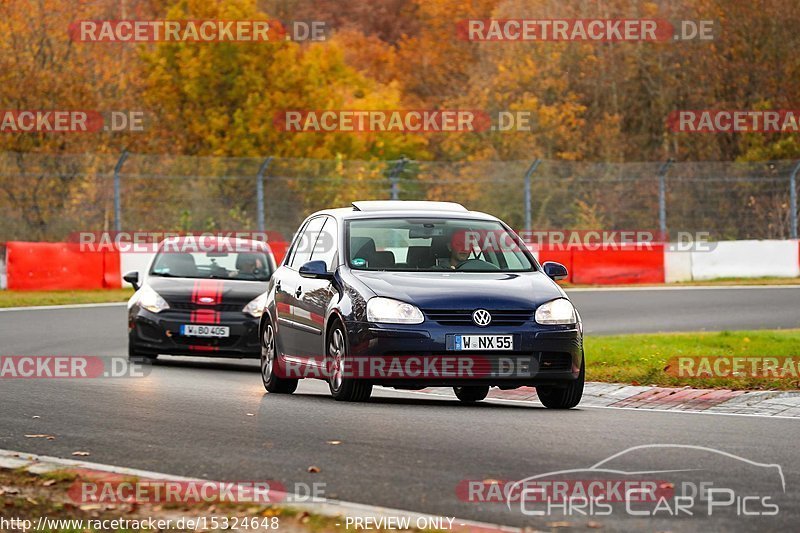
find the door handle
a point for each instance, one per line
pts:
(278, 285)
(298, 292)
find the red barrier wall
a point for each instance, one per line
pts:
(278, 250)
(50, 265)
(627, 264)
(58, 265)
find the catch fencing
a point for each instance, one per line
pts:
(46, 197)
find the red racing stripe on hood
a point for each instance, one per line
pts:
(206, 292)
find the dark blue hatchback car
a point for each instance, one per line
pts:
(419, 294)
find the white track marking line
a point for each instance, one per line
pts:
(55, 307)
(678, 288)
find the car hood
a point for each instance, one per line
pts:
(221, 291)
(457, 290)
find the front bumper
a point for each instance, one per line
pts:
(541, 355)
(159, 333)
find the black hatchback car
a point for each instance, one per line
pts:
(419, 294)
(200, 296)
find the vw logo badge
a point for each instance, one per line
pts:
(481, 317)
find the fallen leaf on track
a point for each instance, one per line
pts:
(313, 469)
(91, 507)
(333, 442)
(81, 454)
(40, 436)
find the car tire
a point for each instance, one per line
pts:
(342, 388)
(471, 394)
(269, 359)
(563, 397)
(136, 355)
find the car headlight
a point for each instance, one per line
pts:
(391, 311)
(256, 306)
(152, 301)
(559, 311)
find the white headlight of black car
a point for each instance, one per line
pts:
(151, 300)
(554, 312)
(256, 306)
(389, 311)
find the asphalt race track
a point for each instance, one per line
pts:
(405, 450)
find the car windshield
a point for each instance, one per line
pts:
(251, 266)
(435, 244)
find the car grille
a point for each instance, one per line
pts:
(188, 306)
(464, 318)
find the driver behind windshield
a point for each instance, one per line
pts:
(459, 251)
(248, 265)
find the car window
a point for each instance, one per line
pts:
(434, 244)
(305, 243)
(325, 247)
(247, 266)
(293, 248)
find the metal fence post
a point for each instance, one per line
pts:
(260, 193)
(793, 201)
(117, 191)
(528, 175)
(662, 198)
(394, 176)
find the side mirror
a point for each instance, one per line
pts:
(316, 270)
(133, 279)
(555, 270)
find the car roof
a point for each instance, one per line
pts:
(405, 205)
(403, 208)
